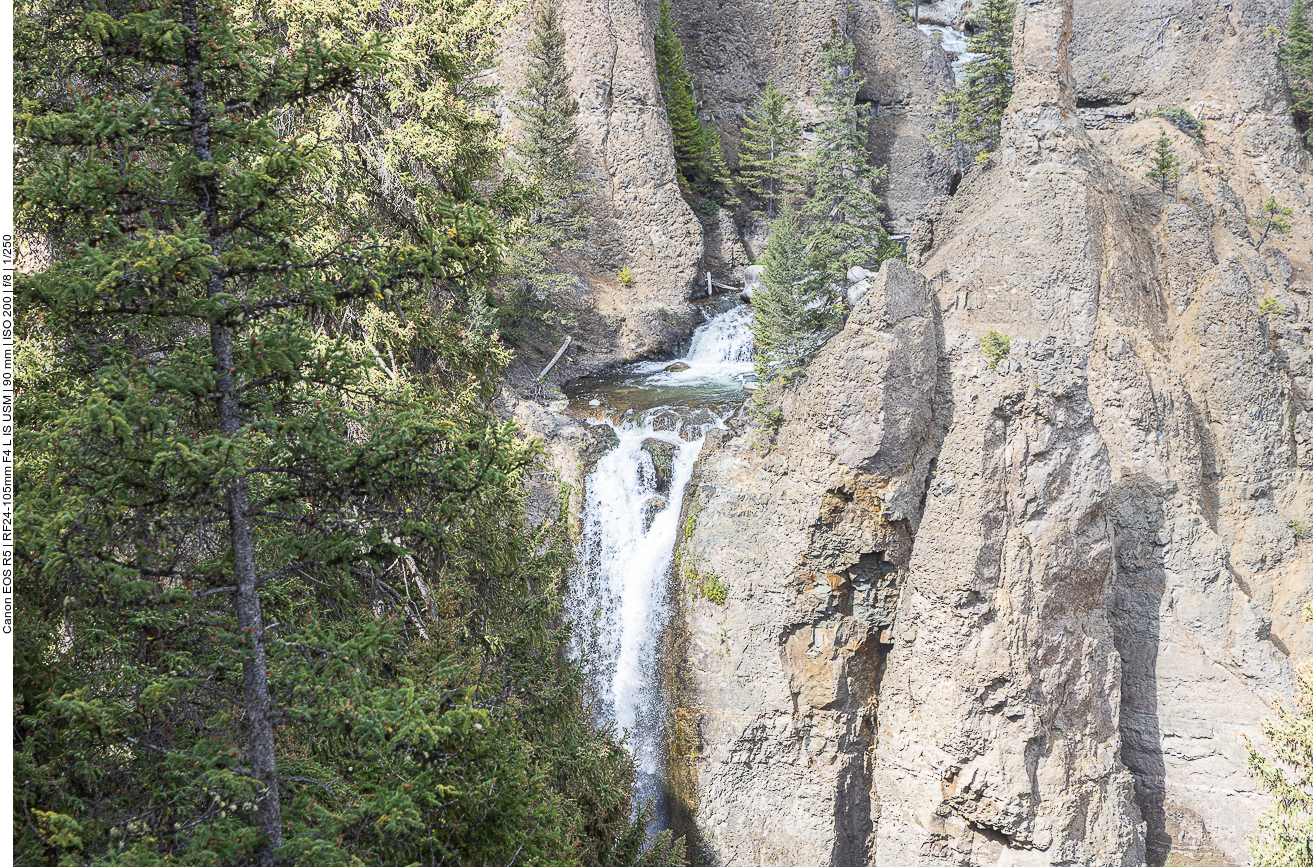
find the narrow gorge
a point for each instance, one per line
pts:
(968, 613)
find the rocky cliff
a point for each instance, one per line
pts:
(1023, 615)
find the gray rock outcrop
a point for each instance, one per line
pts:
(1087, 587)
(811, 540)
(640, 219)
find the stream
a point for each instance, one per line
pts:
(619, 599)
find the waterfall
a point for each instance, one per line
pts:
(619, 600)
(954, 42)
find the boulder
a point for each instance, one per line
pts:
(676, 367)
(651, 509)
(662, 454)
(598, 440)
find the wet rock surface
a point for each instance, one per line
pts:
(662, 456)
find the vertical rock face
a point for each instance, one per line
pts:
(641, 221)
(811, 540)
(735, 48)
(1097, 585)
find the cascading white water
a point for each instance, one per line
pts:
(619, 601)
(954, 42)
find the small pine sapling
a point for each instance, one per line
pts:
(1164, 164)
(996, 346)
(1270, 307)
(1272, 218)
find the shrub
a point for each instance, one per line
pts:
(1183, 120)
(714, 589)
(1298, 527)
(995, 346)
(626, 278)
(1272, 218)
(1270, 307)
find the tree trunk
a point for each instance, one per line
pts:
(255, 680)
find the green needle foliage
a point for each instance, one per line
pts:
(843, 211)
(768, 165)
(548, 148)
(1296, 54)
(412, 134)
(698, 154)
(1285, 833)
(1164, 164)
(1272, 218)
(278, 600)
(792, 309)
(973, 111)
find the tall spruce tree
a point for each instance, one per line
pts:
(973, 111)
(792, 309)
(1296, 54)
(255, 560)
(843, 211)
(677, 92)
(548, 148)
(698, 154)
(549, 134)
(768, 166)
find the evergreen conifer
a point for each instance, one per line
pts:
(699, 157)
(1164, 164)
(1272, 218)
(1296, 55)
(768, 164)
(677, 92)
(974, 109)
(791, 309)
(843, 211)
(548, 148)
(264, 569)
(1284, 837)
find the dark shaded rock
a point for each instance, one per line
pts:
(663, 462)
(651, 509)
(676, 367)
(598, 440)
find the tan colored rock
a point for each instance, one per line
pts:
(810, 539)
(641, 221)
(1100, 591)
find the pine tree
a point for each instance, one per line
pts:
(768, 149)
(1285, 832)
(677, 92)
(699, 157)
(549, 134)
(548, 146)
(714, 177)
(255, 555)
(1164, 165)
(791, 309)
(974, 109)
(1296, 55)
(1272, 218)
(843, 210)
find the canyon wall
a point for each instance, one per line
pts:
(1024, 614)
